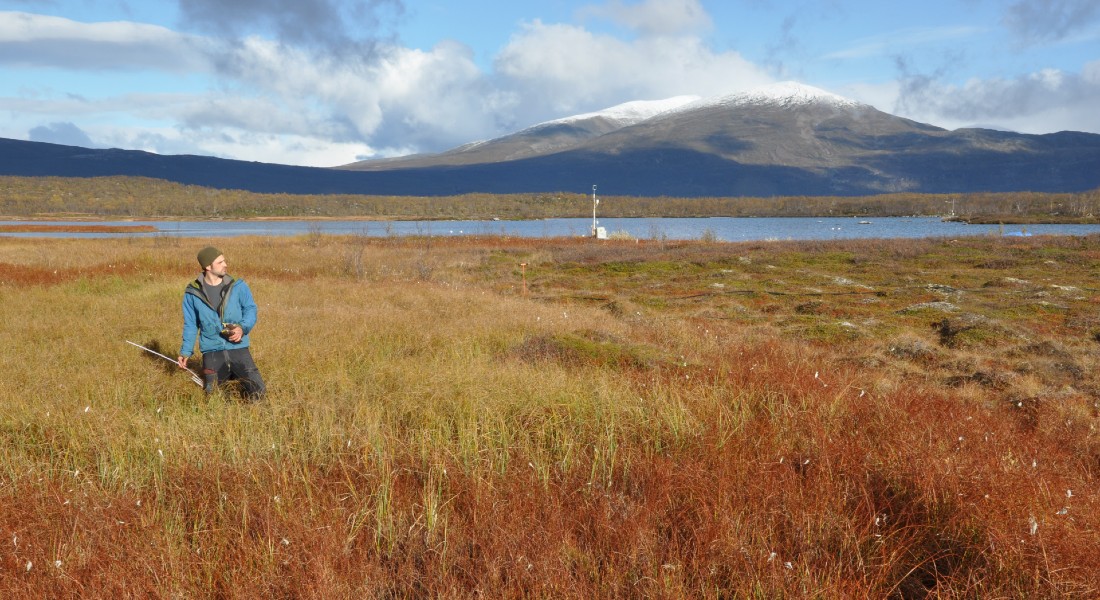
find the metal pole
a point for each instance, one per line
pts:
(594, 201)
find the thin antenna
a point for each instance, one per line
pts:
(194, 376)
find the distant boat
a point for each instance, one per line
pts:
(864, 223)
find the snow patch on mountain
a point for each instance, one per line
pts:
(630, 113)
(786, 93)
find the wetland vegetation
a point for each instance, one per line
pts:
(134, 197)
(502, 417)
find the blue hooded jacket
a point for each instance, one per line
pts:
(204, 320)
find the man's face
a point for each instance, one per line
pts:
(219, 266)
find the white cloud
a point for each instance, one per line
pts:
(1042, 21)
(654, 17)
(29, 40)
(322, 25)
(290, 150)
(143, 105)
(1040, 102)
(439, 91)
(61, 133)
(564, 68)
(236, 144)
(264, 94)
(883, 96)
(1091, 73)
(390, 97)
(893, 42)
(397, 97)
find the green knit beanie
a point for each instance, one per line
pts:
(208, 255)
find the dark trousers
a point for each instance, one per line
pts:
(221, 366)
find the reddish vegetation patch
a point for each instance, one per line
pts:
(24, 276)
(765, 511)
(40, 228)
(775, 469)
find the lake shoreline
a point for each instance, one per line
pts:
(47, 228)
(1024, 220)
(728, 229)
(971, 220)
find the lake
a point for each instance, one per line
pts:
(720, 228)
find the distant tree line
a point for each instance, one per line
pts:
(122, 197)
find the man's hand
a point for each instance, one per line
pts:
(238, 333)
(181, 361)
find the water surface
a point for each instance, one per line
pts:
(719, 228)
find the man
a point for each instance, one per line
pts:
(221, 312)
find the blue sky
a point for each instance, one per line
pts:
(328, 82)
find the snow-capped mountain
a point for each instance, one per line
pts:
(570, 132)
(781, 139)
(786, 139)
(787, 124)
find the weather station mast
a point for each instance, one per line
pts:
(598, 232)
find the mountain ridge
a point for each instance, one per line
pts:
(784, 140)
(567, 132)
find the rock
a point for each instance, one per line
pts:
(940, 306)
(944, 290)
